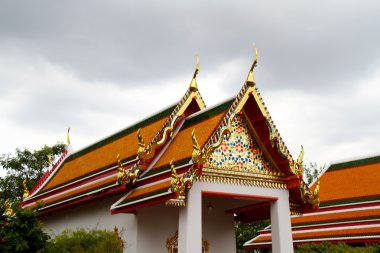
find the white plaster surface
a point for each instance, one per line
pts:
(156, 224)
(282, 241)
(218, 227)
(94, 215)
(190, 224)
(149, 228)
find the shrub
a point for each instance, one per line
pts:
(85, 241)
(22, 232)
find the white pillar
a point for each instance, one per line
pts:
(190, 224)
(282, 241)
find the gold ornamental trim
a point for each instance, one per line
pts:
(228, 179)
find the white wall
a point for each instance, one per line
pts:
(218, 227)
(94, 215)
(156, 224)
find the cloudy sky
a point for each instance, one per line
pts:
(100, 66)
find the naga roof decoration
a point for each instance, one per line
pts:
(88, 173)
(185, 145)
(283, 173)
(145, 153)
(201, 155)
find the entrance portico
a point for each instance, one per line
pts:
(190, 218)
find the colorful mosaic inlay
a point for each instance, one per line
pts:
(241, 151)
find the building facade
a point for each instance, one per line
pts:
(178, 180)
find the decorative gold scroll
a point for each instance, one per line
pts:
(26, 191)
(146, 152)
(8, 208)
(296, 167)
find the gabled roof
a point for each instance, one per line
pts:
(349, 209)
(92, 172)
(143, 170)
(206, 137)
(154, 185)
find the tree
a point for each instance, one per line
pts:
(21, 232)
(247, 231)
(312, 172)
(25, 165)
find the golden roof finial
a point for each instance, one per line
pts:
(50, 159)
(250, 79)
(141, 143)
(193, 84)
(196, 148)
(26, 191)
(8, 208)
(68, 137)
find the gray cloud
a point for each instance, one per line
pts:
(89, 63)
(306, 44)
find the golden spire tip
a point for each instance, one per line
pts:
(68, 137)
(250, 78)
(193, 84)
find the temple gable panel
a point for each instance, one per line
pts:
(240, 152)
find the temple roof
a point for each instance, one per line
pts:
(349, 209)
(91, 172)
(342, 180)
(178, 151)
(158, 158)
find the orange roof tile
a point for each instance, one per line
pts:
(142, 191)
(343, 232)
(182, 145)
(335, 216)
(344, 183)
(103, 156)
(337, 233)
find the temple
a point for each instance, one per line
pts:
(178, 180)
(349, 208)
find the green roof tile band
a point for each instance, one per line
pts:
(151, 194)
(327, 222)
(355, 163)
(350, 201)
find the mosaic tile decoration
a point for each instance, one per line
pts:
(241, 151)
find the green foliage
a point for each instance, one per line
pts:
(312, 172)
(85, 241)
(21, 232)
(27, 165)
(246, 231)
(336, 248)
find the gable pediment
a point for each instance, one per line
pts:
(240, 151)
